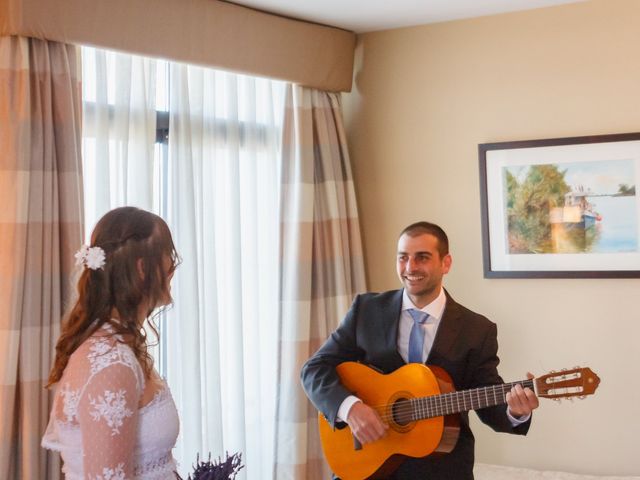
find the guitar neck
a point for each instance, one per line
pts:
(464, 400)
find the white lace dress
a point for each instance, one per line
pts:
(96, 422)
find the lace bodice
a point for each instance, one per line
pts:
(97, 424)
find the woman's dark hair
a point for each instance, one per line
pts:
(137, 246)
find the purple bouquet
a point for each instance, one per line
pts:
(216, 470)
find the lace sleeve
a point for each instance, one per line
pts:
(108, 417)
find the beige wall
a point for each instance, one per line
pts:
(423, 99)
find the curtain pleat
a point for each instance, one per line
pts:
(322, 264)
(40, 229)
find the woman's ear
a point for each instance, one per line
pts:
(140, 268)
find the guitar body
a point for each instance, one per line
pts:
(421, 408)
(405, 438)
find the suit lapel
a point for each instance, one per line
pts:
(448, 330)
(389, 314)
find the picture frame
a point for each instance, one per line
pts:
(561, 207)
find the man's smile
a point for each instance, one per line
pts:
(414, 278)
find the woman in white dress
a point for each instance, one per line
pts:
(113, 417)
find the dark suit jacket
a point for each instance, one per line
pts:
(465, 346)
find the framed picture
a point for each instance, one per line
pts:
(561, 208)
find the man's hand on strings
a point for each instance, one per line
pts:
(522, 401)
(365, 423)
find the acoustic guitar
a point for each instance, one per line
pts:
(420, 406)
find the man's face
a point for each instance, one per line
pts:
(420, 267)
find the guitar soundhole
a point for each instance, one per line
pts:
(402, 412)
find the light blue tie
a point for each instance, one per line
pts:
(416, 338)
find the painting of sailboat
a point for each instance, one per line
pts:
(580, 207)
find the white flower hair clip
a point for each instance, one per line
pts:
(90, 257)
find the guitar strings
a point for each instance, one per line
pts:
(476, 391)
(411, 406)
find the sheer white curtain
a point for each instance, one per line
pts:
(119, 131)
(216, 182)
(224, 144)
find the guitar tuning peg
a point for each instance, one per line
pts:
(577, 367)
(582, 397)
(564, 370)
(557, 400)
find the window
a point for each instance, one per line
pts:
(201, 148)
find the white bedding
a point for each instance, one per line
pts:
(483, 471)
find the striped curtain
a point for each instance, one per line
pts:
(40, 228)
(322, 264)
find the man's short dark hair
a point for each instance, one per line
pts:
(421, 228)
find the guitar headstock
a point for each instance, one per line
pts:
(577, 382)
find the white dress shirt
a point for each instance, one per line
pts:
(435, 310)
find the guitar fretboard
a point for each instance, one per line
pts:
(456, 402)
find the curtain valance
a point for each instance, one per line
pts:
(204, 32)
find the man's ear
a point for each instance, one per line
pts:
(140, 268)
(446, 263)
